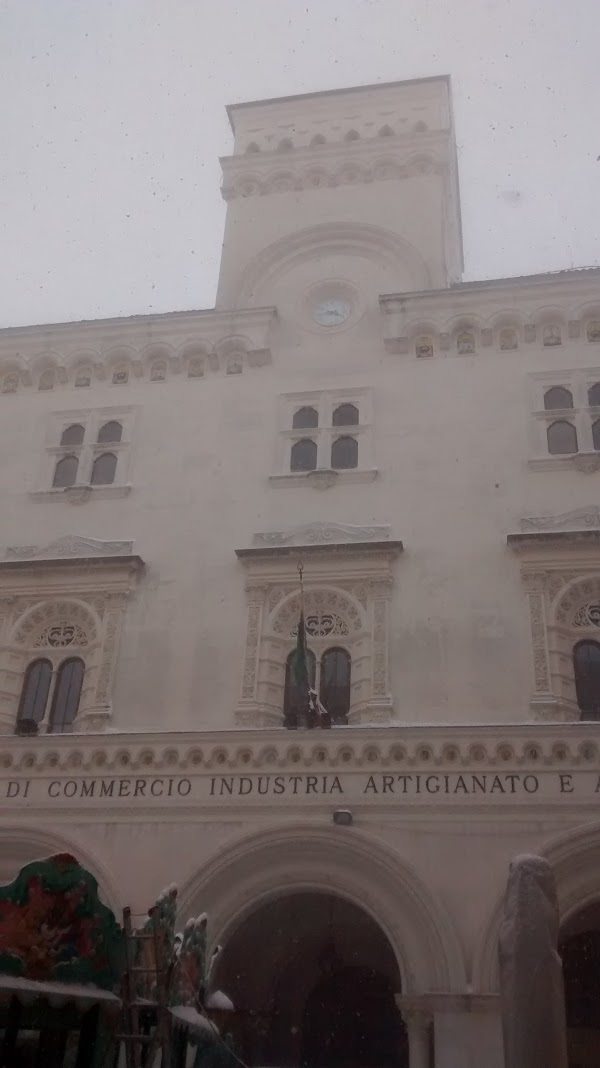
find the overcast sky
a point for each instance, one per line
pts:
(112, 120)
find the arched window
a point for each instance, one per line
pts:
(420, 126)
(352, 135)
(562, 438)
(110, 433)
(67, 693)
(103, 470)
(386, 131)
(318, 139)
(305, 419)
(586, 666)
(285, 145)
(73, 435)
(335, 684)
(65, 472)
(252, 147)
(295, 699)
(34, 696)
(344, 453)
(596, 434)
(345, 415)
(304, 455)
(557, 397)
(594, 395)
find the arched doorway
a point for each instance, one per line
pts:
(313, 980)
(580, 951)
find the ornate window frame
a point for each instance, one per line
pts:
(324, 434)
(561, 576)
(92, 420)
(581, 415)
(89, 587)
(347, 579)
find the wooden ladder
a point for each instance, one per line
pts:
(141, 1049)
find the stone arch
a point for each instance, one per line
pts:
(20, 845)
(345, 238)
(353, 866)
(29, 629)
(319, 600)
(55, 629)
(333, 617)
(575, 859)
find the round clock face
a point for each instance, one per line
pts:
(332, 311)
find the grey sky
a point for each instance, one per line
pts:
(113, 118)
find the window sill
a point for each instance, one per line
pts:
(587, 462)
(80, 494)
(324, 477)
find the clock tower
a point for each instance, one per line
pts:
(331, 194)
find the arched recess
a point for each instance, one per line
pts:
(343, 238)
(258, 868)
(333, 617)
(574, 616)
(575, 859)
(20, 845)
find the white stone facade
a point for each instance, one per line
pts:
(456, 558)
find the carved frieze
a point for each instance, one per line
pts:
(71, 546)
(579, 519)
(322, 533)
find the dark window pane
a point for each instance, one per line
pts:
(34, 694)
(304, 455)
(65, 471)
(586, 665)
(562, 438)
(594, 395)
(305, 419)
(103, 471)
(110, 433)
(335, 684)
(295, 701)
(73, 435)
(596, 434)
(344, 453)
(557, 397)
(345, 415)
(66, 696)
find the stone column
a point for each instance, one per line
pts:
(418, 1026)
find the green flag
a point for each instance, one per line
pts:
(300, 661)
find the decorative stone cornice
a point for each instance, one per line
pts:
(551, 540)
(525, 305)
(528, 747)
(267, 552)
(137, 342)
(341, 163)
